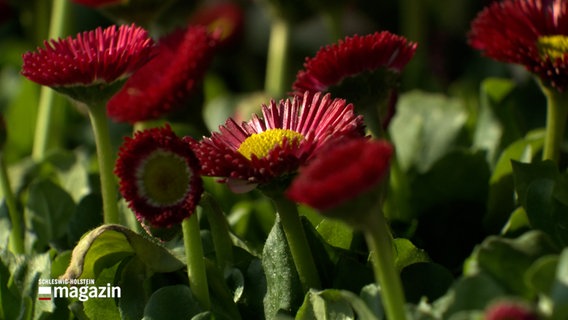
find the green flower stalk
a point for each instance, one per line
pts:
(89, 69)
(196, 272)
(351, 191)
(556, 117)
(46, 117)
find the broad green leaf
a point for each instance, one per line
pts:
(517, 224)
(283, 287)
(540, 275)
(334, 304)
(371, 295)
(108, 244)
(327, 304)
(508, 260)
(72, 169)
(87, 216)
(406, 253)
(103, 308)
(49, 210)
(18, 285)
(494, 124)
(426, 126)
(468, 294)
(501, 201)
(172, 302)
(336, 233)
(134, 295)
(542, 192)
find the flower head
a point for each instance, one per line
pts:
(361, 69)
(166, 81)
(271, 148)
(508, 310)
(531, 33)
(100, 56)
(334, 178)
(159, 177)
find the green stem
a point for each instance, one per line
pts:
(276, 82)
(105, 155)
(557, 113)
(219, 231)
(379, 240)
(16, 243)
(298, 243)
(46, 117)
(195, 261)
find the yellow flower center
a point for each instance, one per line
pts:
(260, 144)
(553, 46)
(164, 178)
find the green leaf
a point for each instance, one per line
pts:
(540, 275)
(72, 169)
(334, 304)
(336, 233)
(468, 294)
(542, 192)
(87, 216)
(108, 244)
(508, 260)
(501, 201)
(406, 253)
(133, 299)
(172, 302)
(18, 285)
(103, 308)
(283, 287)
(559, 292)
(425, 128)
(495, 125)
(49, 210)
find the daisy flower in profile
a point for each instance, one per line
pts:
(508, 310)
(334, 179)
(361, 69)
(92, 66)
(166, 81)
(531, 33)
(159, 177)
(271, 148)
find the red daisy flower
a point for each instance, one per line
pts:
(166, 81)
(532, 33)
(335, 178)
(265, 149)
(509, 311)
(159, 177)
(352, 56)
(91, 58)
(361, 69)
